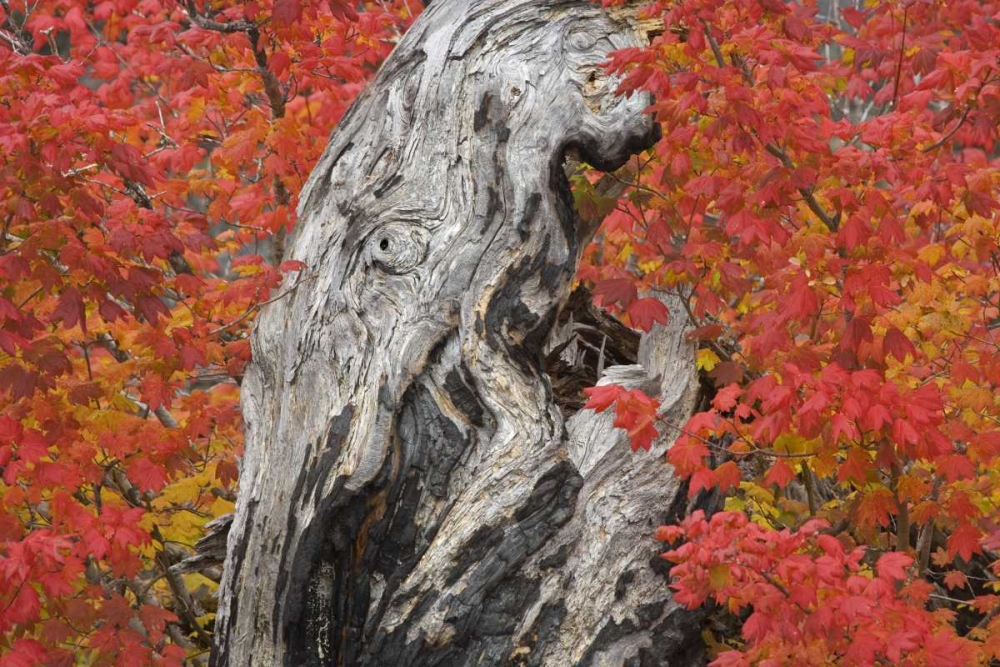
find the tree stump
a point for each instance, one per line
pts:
(411, 494)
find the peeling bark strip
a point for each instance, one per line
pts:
(410, 493)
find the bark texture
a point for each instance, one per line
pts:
(410, 493)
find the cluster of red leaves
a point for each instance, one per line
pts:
(825, 204)
(635, 412)
(811, 601)
(150, 152)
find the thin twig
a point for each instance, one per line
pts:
(832, 222)
(899, 63)
(943, 140)
(256, 307)
(205, 23)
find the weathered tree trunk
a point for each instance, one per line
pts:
(411, 494)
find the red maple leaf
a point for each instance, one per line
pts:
(725, 399)
(965, 542)
(70, 310)
(286, 12)
(145, 474)
(687, 455)
(647, 311)
(893, 566)
(611, 291)
(898, 345)
(780, 474)
(601, 397)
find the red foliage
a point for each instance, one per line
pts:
(824, 204)
(635, 412)
(150, 157)
(811, 600)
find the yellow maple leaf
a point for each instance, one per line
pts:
(706, 359)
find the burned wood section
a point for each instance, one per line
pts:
(412, 493)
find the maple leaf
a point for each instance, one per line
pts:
(944, 650)
(155, 620)
(687, 455)
(636, 413)
(23, 607)
(727, 476)
(9, 311)
(706, 359)
(780, 474)
(965, 542)
(893, 566)
(830, 545)
(708, 332)
(992, 541)
(645, 312)
(725, 399)
(757, 626)
(70, 310)
(601, 397)
(10, 429)
(898, 345)
(955, 579)
(191, 357)
(32, 446)
(155, 391)
(855, 468)
(619, 291)
(701, 480)
(24, 653)
(9, 342)
(152, 308)
(731, 659)
(875, 508)
(286, 12)
(145, 474)
(111, 311)
(727, 372)
(802, 302)
(955, 467)
(853, 16)
(342, 9)
(642, 438)
(96, 544)
(669, 533)
(55, 584)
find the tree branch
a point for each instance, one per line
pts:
(899, 63)
(948, 135)
(205, 23)
(832, 222)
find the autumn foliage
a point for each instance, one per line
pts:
(150, 156)
(825, 203)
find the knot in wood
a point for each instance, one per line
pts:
(397, 247)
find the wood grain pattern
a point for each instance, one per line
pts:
(410, 493)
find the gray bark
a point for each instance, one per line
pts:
(410, 492)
